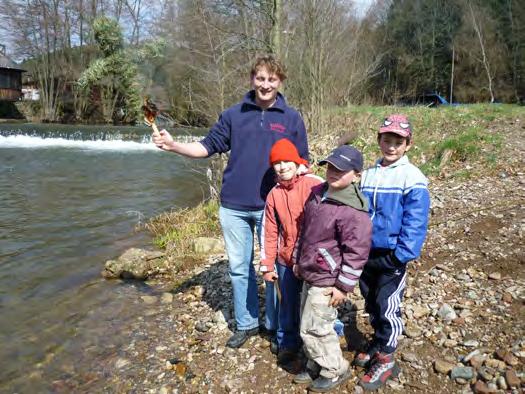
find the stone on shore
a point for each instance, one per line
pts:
(134, 263)
(206, 245)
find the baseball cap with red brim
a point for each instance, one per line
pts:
(397, 124)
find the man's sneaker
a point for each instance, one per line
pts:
(322, 384)
(241, 336)
(383, 368)
(363, 359)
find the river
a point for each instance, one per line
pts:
(71, 198)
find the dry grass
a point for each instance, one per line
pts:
(459, 134)
(176, 230)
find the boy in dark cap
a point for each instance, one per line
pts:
(331, 253)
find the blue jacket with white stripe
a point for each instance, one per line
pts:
(399, 204)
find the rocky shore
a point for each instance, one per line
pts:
(463, 307)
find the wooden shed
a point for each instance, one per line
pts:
(10, 78)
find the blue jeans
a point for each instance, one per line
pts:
(289, 312)
(271, 306)
(238, 230)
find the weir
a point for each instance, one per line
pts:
(85, 137)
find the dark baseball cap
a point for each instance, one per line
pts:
(345, 158)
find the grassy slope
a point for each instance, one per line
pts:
(457, 142)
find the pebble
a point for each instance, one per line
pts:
(166, 298)
(201, 326)
(507, 297)
(420, 311)
(450, 343)
(149, 300)
(396, 386)
(409, 357)
(497, 364)
(482, 388)
(477, 360)
(486, 374)
(511, 360)
(358, 390)
(447, 313)
(466, 373)
(121, 363)
(471, 343)
(472, 295)
(412, 331)
(495, 276)
(442, 366)
(470, 355)
(502, 384)
(198, 291)
(218, 317)
(511, 378)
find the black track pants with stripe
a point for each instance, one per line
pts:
(382, 283)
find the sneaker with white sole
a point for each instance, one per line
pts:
(322, 384)
(383, 367)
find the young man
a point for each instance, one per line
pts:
(399, 203)
(248, 130)
(333, 248)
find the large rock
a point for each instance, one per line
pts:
(134, 263)
(204, 245)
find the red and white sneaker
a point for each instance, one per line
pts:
(383, 367)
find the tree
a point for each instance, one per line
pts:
(114, 76)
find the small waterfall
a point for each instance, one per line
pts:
(84, 137)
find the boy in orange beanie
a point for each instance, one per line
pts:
(282, 219)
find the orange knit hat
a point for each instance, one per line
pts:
(285, 150)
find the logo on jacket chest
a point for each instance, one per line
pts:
(277, 127)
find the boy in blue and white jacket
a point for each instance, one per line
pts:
(399, 204)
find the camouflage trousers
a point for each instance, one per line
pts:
(321, 343)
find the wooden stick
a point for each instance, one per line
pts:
(154, 127)
(277, 289)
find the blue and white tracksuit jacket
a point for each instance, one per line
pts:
(399, 204)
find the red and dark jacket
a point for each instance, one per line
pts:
(335, 238)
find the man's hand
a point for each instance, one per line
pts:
(270, 276)
(162, 139)
(338, 297)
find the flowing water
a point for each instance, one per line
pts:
(72, 197)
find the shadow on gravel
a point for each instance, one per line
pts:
(355, 339)
(216, 286)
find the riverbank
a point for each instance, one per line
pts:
(464, 312)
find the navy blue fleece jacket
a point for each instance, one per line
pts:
(249, 132)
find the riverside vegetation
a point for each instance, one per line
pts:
(463, 309)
